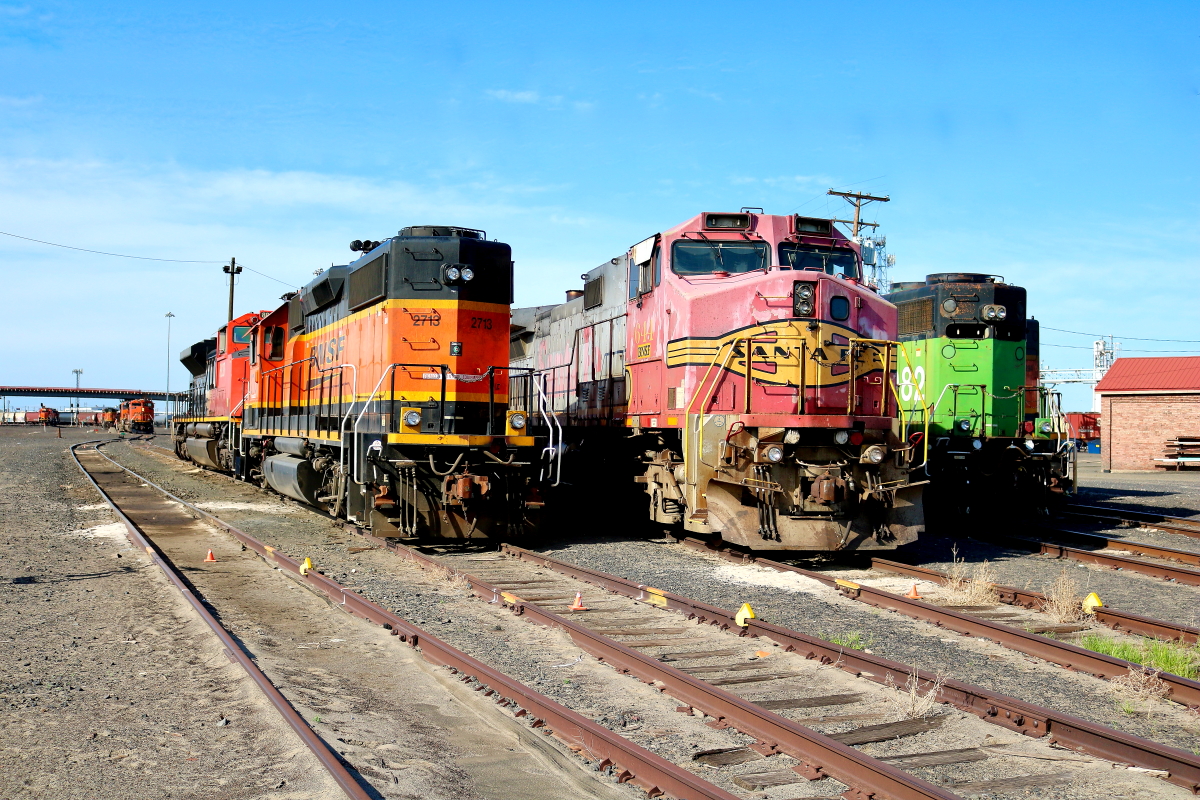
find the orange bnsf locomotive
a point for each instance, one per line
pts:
(741, 369)
(379, 392)
(136, 416)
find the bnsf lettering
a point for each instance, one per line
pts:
(425, 320)
(329, 353)
(481, 322)
(643, 351)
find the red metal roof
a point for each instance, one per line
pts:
(1169, 373)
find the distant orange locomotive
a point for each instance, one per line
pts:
(379, 392)
(136, 416)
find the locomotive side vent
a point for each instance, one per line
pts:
(368, 283)
(593, 293)
(915, 316)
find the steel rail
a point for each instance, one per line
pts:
(233, 651)
(1124, 516)
(1183, 768)
(1141, 548)
(1010, 595)
(1181, 690)
(1167, 572)
(628, 761)
(819, 755)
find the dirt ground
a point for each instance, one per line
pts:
(117, 690)
(109, 685)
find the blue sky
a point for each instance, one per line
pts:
(1054, 144)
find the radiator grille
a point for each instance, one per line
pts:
(916, 316)
(593, 293)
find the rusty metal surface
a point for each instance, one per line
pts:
(1182, 690)
(1094, 540)
(1168, 572)
(999, 709)
(1146, 626)
(819, 755)
(1113, 618)
(1124, 516)
(328, 758)
(629, 762)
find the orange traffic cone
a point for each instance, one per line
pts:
(912, 593)
(578, 604)
(210, 556)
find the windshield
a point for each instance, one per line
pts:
(832, 261)
(701, 257)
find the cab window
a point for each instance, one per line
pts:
(706, 256)
(830, 260)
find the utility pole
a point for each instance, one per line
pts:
(167, 404)
(231, 269)
(77, 372)
(858, 200)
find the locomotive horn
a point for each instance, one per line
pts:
(356, 245)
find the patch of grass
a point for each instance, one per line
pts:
(852, 639)
(1154, 653)
(1126, 707)
(1062, 599)
(317, 719)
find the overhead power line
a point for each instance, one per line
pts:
(102, 253)
(139, 258)
(1107, 335)
(1123, 350)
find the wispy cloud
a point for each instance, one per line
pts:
(19, 102)
(515, 97)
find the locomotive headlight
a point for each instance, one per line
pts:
(467, 273)
(792, 436)
(1029, 444)
(774, 454)
(516, 420)
(990, 313)
(412, 419)
(1001, 312)
(875, 453)
(841, 437)
(453, 273)
(977, 444)
(964, 425)
(1047, 427)
(804, 308)
(804, 291)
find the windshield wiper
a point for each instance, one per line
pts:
(716, 248)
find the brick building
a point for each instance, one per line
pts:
(1144, 403)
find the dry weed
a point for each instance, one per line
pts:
(455, 582)
(971, 584)
(1062, 599)
(909, 700)
(1140, 685)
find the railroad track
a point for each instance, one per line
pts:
(518, 593)
(1125, 518)
(1181, 690)
(625, 761)
(684, 669)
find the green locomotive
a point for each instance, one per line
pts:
(967, 379)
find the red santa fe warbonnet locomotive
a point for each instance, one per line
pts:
(742, 368)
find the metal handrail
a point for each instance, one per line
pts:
(555, 451)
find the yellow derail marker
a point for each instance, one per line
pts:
(306, 567)
(744, 614)
(1091, 603)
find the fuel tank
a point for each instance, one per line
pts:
(202, 451)
(292, 476)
